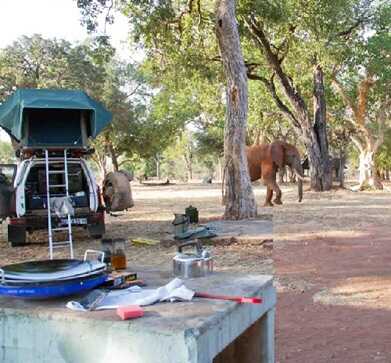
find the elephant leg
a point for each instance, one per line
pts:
(269, 196)
(277, 189)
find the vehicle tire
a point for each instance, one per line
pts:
(16, 235)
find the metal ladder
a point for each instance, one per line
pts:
(68, 228)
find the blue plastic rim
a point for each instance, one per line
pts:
(62, 288)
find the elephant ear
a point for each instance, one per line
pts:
(277, 154)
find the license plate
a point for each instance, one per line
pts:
(77, 221)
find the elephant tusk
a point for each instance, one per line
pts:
(299, 176)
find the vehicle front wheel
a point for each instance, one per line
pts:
(16, 235)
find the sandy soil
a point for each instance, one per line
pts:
(332, 260)
(151, 218)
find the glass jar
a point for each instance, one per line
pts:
(118, 257)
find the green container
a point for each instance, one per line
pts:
(192, 214)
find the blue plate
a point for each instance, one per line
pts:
(53, 289)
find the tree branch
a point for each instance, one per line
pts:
(359, 21)
(357, 143)
(384, 109)
(290, 91)
(279, 103)
(345, 97)
(363, 90)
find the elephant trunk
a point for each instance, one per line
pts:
(298, 169)
(300, 189)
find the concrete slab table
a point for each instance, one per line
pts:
(200, 331)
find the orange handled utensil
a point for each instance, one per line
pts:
(238, 299)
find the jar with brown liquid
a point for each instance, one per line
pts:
(118, 257)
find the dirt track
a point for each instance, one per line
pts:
(332, 260)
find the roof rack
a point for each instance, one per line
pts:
(77, 152)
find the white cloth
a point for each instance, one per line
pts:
(62, 206)
(175, 290)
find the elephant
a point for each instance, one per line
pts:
(265, 159)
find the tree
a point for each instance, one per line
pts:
(294, 48)
(168, 27)
(369, 134)
(36, 62)
(238, 195)
(143, 123)
(363, 80)
(289, 52)
(383, 157)
(7, 154)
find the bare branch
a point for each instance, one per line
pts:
(363, 90)
(384, 109)
(345, 97)
(279, 103)
(357, 142)
(358, 22)
(290, 91)
(134, 91)
(108, 17)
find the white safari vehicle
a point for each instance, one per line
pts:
(52, 187)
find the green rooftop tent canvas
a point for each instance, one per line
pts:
(44, 118)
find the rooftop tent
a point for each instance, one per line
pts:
(42, 117)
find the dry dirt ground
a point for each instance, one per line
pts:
(332, 256)
(151, 217)
(332, 259)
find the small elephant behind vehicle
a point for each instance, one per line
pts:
(264, 161)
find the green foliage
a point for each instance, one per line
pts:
(145, 121)
(35, 62)
(383, 156)
(7, 154)
(182, 57)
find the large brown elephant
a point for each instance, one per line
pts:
(264, 161)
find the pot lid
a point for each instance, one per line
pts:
(190, 257)
(50, 270)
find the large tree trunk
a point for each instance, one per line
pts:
(158, 171)
(238, 194)
(113, 156)
(368, 177)
(367, 140)
(341, 171)
(111, 151)
(313, 133)
(220, 170)
(189, 166)
(321, 177)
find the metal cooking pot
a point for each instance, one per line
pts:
(188, 265)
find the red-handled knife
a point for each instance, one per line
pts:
(238, 299)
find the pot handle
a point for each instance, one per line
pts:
(195, 243)
(95, 252)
